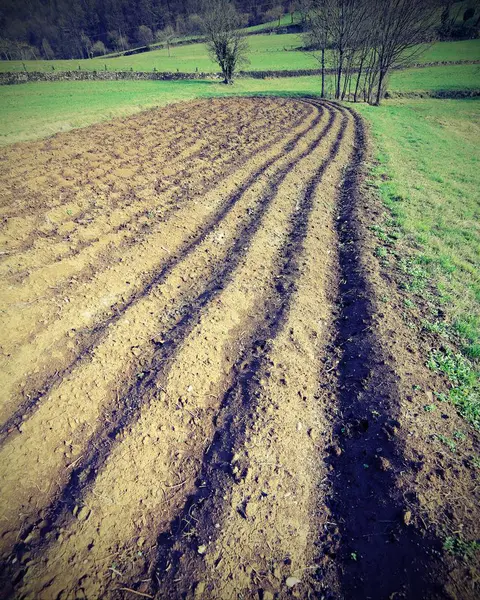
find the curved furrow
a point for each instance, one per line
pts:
(72, 409)
(85, 236)
(68, 235)
(363, 500)
(14, 170)
(185, 230)
(165, 444)
(257, 490)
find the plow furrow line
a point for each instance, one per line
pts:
(277, 375)
(361, 395)
(116, 228)
(78, 315)
(103, 222)
(224, 323)
(65, 413)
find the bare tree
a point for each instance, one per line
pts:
(227, 46)
(340, 26)
(98, 48)
(47, 50)
(402, 30)
(275, 13)
(317, 34)
(166, 36)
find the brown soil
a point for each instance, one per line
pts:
(201, 396)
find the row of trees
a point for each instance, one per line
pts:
(366, 39)
(82, 28)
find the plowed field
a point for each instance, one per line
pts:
(188, 326)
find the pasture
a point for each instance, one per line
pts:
(266, 52)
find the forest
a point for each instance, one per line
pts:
(49, 29)
(71, 29)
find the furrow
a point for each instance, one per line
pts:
(70, 411)
(252, 513)
(82, 237)
(80, 327)
(168, 438)
(363, 507)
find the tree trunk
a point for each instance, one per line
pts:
(358, 79)
(381, 78)
(323, 73)
(339, 75)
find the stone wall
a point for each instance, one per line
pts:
(101, 75)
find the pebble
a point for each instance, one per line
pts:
(83, 514)
(291, 581)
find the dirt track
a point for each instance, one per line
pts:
(188, 325)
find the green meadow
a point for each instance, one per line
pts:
(267, 52)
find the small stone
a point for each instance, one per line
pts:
(83, 514)
(140, 542)
(202, 549)
(407, 517)
(299, 426)
(291, 581)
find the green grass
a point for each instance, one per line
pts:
(267, 52)
(34, 110)
(454, 77)
(428, 174)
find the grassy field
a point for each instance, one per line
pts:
(428, 174)
(267, 52)
(35, 110)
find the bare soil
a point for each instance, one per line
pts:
(202, 394)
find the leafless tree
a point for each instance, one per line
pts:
(367, 39)
(227, 46)
(144, 35)
(47, 50)
(317, 34)
(275, 13)
(166, 36)
(402, 29)
(98, 49)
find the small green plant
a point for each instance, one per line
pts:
(456, 546)
(429, 407)
(354, 556)
(381, 252)
(408, 303)
(448, 442)
(434, 327)
(465, 391)
(380, 233)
